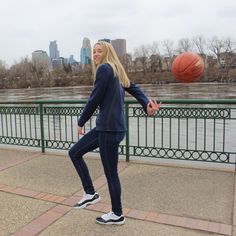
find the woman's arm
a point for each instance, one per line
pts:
(136, 92)
(100, 86)
(150, 106)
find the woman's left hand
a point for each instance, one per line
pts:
(152, 107)
(80, 130)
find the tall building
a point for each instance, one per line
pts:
(72, 61)
(40, 59)
(85, 52)
(53, 50)
(120, 46)
(56, 63)
(105, 40)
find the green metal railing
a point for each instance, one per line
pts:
(183, 129)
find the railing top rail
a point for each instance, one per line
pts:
(164, 101)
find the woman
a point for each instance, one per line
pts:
(108, 94)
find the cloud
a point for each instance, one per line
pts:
(28, 25)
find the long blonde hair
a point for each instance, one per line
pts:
(110, 57)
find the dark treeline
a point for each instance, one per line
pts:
(148, 64)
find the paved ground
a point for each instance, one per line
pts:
(37, 192)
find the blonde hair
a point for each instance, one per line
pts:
(110, 57)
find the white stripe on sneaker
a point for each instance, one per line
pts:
(88, 199)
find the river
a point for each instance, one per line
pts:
(164, 91)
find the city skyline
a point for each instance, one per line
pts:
(53, 52)
(85, 57)
(139, 22)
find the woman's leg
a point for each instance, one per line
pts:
(87, 143)
(108, 145)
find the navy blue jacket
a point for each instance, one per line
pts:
(108, 94)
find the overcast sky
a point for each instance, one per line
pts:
(29, 25)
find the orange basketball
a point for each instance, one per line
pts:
(187, 67)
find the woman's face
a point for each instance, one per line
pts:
(98, 54)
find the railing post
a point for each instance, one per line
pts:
(42, 127)
(127, 131)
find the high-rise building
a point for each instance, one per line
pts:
(40, 59)
(120, 46)
(105, 40)
(53, 50)
(56, 63)
(85, 52)
(72, 61)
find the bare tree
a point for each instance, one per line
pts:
(26, 74)
(126, 61)
(155, 63)
(216, 46)
(3, 69)
(142, 51)
(141, 55)
(184, 45)
(3, 73)
(155, 58)
(154, 48)
(230, 45)
(168, 47)
(200, 44)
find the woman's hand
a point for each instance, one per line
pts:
(80, 130)
(152, 107)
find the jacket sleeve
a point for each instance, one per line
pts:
(102, 78)
(136, 92)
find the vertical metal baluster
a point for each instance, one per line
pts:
(127, 131)
(42, 127)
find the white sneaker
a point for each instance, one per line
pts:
(110, 219)
(88, 199)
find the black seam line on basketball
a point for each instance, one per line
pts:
(187, 66)
(197, 70)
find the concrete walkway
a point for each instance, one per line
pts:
(37, 192)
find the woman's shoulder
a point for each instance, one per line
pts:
(105, 67)
(104, 72)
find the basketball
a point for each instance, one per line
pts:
(187, 67)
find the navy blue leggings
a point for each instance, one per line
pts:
(108, 143)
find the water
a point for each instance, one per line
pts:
(165, 91)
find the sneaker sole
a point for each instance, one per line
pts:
(111, 223)
(88, 203)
